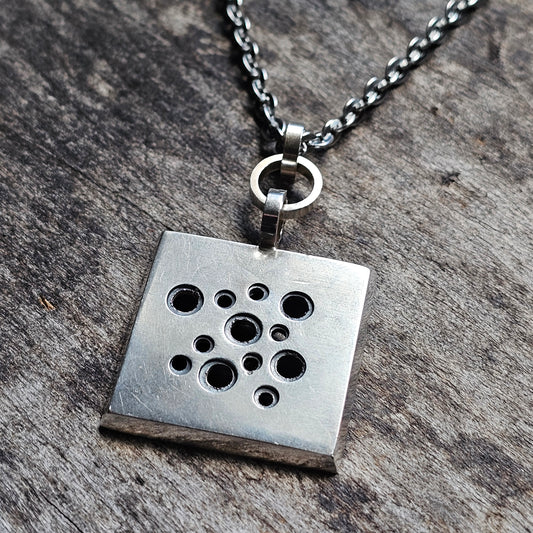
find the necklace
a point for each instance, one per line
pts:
(252, 349)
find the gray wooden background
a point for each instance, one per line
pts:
(122, 118)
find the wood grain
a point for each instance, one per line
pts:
(120, 119)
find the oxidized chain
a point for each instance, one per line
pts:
(355, 108)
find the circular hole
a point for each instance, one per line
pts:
(279, 332)
(225, 299)
(258, 292)
(180, 364)
(203, 344)
(266, 397)
(243, 329)
(289, 365)
(218, 375)
(185, 299)
(297, 306)
(252, 362)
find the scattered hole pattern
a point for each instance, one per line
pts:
(219, 375)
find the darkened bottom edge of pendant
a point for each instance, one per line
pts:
(220, 442)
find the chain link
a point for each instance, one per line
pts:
(354, 109)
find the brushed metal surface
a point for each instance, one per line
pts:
(306, 426)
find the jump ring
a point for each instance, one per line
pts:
(303, 166)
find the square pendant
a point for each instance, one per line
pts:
(244, 350)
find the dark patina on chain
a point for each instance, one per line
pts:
(355, 108)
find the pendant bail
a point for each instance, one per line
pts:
(272, 223)
(292, 146)
(276, 209)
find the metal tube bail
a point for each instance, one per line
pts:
(274, 204)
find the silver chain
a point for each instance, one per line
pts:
(354, 109)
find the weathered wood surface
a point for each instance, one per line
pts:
(121, 119)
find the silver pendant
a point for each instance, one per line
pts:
(246, 349)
